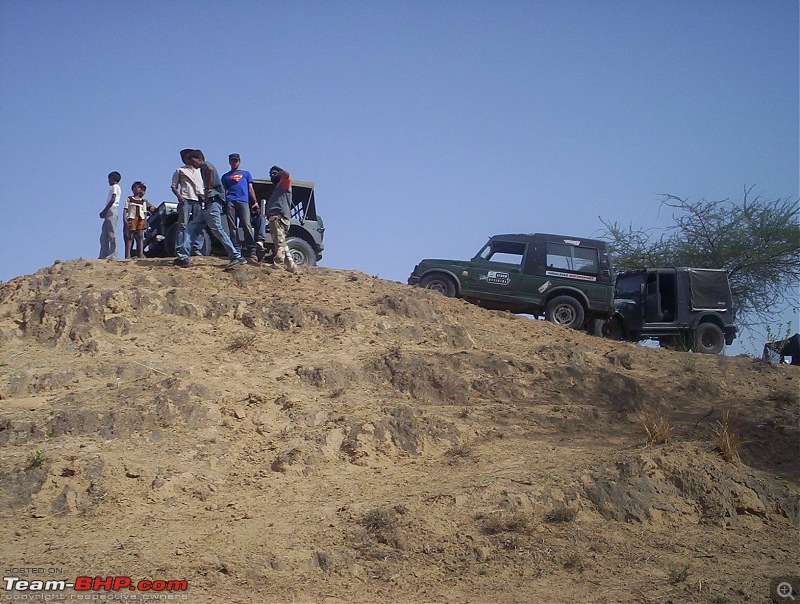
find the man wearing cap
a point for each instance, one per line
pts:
(238, 191)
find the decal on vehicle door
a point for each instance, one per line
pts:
(496, 278)
(544, 287)
(570, 276)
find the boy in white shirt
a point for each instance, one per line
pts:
(108, 236)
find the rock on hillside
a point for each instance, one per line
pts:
(334, 437)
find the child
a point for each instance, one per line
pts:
(135, 217)
(108, 236)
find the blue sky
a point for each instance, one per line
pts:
(426, 126)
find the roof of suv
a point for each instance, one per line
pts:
(525, 237)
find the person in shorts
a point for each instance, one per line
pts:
(135, 218)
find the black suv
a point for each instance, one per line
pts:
(305, 229)
(568, 279)
(682, 308)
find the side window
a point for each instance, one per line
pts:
(572, 258)
(504, 252)
(629, 287)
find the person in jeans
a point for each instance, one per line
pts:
(187, 185)
(278, 213)
(108, 235)
(238, 192)
(214, 198)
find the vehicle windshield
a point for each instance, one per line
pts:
(629, 287)
(503, 252)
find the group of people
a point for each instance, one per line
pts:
(203, 198)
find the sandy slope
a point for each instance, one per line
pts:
(333, 437)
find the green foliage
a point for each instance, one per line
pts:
(678, 574)
(757, 241)
(38, 457)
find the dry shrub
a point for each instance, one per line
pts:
(242, 342)
(727, 439)
(657, 426)
(508, 522)
(561, 513)
(784, 398)
(380, 520)
(382, 525)
(463, 450)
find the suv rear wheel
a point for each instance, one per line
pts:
(564, 310)
(439, 283)
(708, 339)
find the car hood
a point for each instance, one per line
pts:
(442, 262)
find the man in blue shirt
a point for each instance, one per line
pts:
(238, 192)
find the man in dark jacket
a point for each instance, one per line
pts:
(278, 213)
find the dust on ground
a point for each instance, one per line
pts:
(334, 437)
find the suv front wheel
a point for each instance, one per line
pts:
(302, 252)
(439, 283)
(564, 310)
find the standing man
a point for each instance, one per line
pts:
(211, 215)
(238, 192)
(278, 213)
(187, 185)
(108, 235)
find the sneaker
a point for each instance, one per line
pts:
(234, 263)
(181, 262)
(261, 246)
(197, 253)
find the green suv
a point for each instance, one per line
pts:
(569, 280)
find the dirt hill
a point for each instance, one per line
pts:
(334, 437)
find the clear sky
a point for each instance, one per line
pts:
(426, 126)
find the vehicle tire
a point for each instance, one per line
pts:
(613, 329)
(679, 343)
(205, 244)
(564, 310)
(439, 283)
(594, 327)
(302, 253)
(171, 240)
(154, 250)
(708, 339)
